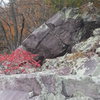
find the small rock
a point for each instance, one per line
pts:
(80, 98)
(87, 45)
(98, 50)
(54, 97)
(96, 32)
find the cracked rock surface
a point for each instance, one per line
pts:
(47, 86)
(73, 76)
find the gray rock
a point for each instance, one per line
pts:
(97, 70)
(81, 98)
(50, 43)
(20, 84)
(79, 65)
(87, 45)
(13, 95)
(98, 50)
(88, 66)
(48, 85)
(53, 97)
(96, 32)
(57, 36)
(85, 86)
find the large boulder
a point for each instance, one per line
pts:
(57, 36)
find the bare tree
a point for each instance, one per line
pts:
(9, 17)
(19, 17)
(13, 16)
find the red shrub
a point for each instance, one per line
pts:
(18, 60)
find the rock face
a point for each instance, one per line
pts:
(44, 86)
(85, 59)
(57, 36)
(74, 76)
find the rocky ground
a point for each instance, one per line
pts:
(74, 76)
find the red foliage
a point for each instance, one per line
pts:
(18, 59)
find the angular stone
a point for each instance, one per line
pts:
(54, 97)
(96, 32)
(51, 86)
(85, 86)
(88, 66)
(52, 43)
(20, 83)
(80, 98)
(98, 50)
(13, 95)
(49, 83)
(88, 45)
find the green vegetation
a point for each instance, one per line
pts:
(59, 4)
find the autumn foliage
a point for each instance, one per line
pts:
(18, 62)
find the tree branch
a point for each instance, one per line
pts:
(5, 35)
(13, 15)
(21, 33)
